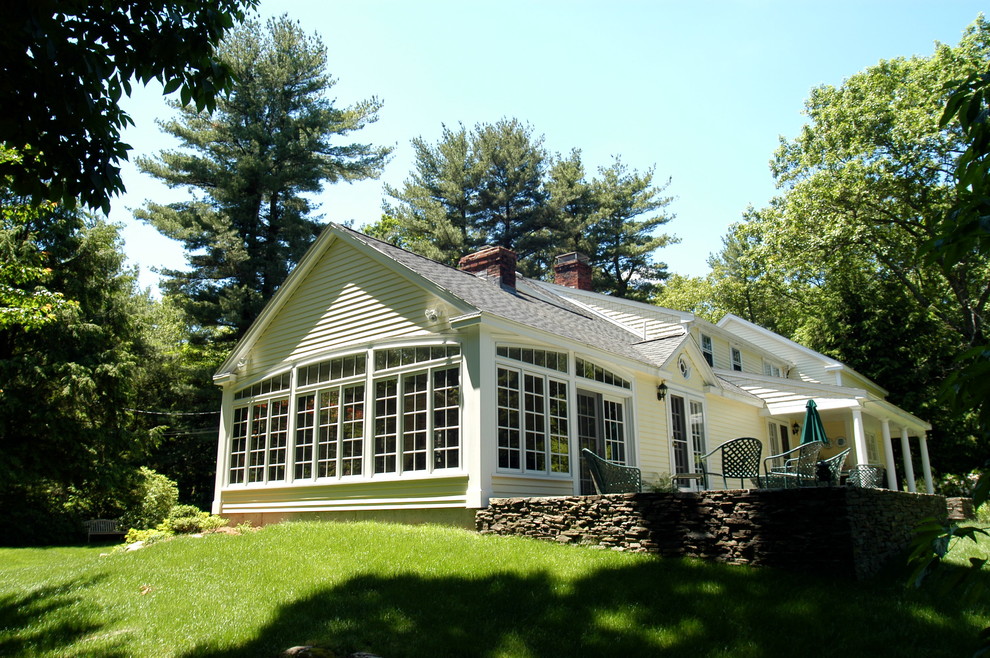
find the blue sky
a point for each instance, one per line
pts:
(700, 91)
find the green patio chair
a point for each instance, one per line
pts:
(830, 470)
(797, 467)
(740, 459)
(867, 476)
(610, 477)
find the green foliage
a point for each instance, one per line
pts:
(628, 209)
(188, 519)
(25, 301)
(248, 164)
(147, 536)
(66, 66)
(497, 185)
(841, 260)
(68, 381)
(663, 483)
(179, 402)
(155, 495)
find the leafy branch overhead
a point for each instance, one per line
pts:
(68, 63)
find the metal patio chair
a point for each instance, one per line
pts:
(740, 459)
(867, 476)
(610, 477)
(830, 470)
(797, 467)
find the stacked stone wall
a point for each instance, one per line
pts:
(839, 531)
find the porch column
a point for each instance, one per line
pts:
(888, 455)
(908, 464)
(926, 466)
(859, 437)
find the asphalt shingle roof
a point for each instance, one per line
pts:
(529, 305)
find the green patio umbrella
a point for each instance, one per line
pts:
(813, 429)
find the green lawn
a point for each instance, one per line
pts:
(429, 591)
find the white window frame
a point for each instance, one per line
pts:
(533, 432)
(695, 433)
(302, 428)
(418, 405)
(708, 349)
(737, 359)
(772, 368)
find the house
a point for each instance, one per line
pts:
(378, 383)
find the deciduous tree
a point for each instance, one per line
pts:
(66, 66)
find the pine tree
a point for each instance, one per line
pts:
(248, 164)
(628, 210)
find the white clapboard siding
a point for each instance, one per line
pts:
(395, 494)
(508, 486)
(347, 299)
(651, 431)
(809, 368)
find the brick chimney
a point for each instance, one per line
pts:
(498, 263)
(572, 270)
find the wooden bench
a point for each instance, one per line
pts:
(102, 528)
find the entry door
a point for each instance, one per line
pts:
(590, 434)
(601, 429)
(779, 439)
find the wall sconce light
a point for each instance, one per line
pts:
(662, 390)
(795, 428)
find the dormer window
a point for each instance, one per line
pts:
(771, 369)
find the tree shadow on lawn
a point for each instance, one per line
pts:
(51, 619)
(654, 607)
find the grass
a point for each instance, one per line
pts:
(430, 591)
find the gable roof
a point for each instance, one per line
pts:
(827, 362)
(529, 305)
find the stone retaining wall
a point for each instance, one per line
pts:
(843, 531)
(961, 509)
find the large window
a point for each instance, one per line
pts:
(259, 441)
(417, 421)
(330, 432)
(402, 416)
(532, 422)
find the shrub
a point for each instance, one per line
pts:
(148, 536)
(185, 519)
(156, 495)
(956, 485)
(663, 483)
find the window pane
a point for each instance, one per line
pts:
(678, 435)
(508, 419)
(238, 446)
(414, 420)
(278, 438)
(305, 433)
(328, 433)
(386, 429)
(446, 418)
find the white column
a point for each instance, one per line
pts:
(479, 421)
(888, 455)
(223, 444)
(926, 466)
(908, 464)
(859, 437)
